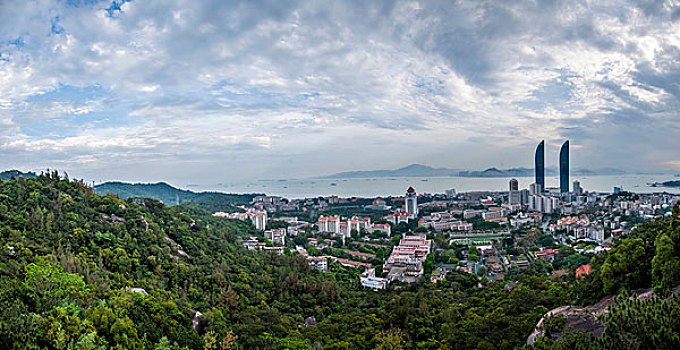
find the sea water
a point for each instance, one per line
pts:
(396, 186)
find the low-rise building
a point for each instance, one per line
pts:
(277, 250)
(318, 262)
(471, 213)
(276, 236)
(406, 261)
(384, 228)
(492, 214)
(253, 244)
(368, 280)
(258, 217)
(398, 217)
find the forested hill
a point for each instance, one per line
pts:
(212, 201)
(80, 270)
(14, 174)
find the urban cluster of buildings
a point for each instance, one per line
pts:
(321, 262)
(295, 226)
(585, 218)
(274, 203)
(343, 227)
(444, 221)
(258, 217)
(405, 263)
(538, 198)
(252, 243)
(276, 236)
(408, 212)
(579, 228)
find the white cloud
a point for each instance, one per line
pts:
(399, 81)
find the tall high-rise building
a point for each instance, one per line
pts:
(411, 202)
(564, 167)
(513, 194)
(259, 219)
(578, 190)
(524, 196)
(539, 164)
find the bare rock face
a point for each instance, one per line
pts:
(581, 319)
(137, 290)
(310, 321)
(576, 319)
(146, 224)
(116, 218)
(179, 248)
(196, 321)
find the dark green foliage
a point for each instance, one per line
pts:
(481, 224)
(649, 253)
(666, 262)
(630, 323)
(623, 269)
(547, 241)
(638, 324)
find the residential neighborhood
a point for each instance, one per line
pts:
(418, 238)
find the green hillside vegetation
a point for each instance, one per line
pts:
(210, 201)
(647, 257)
(79, 270)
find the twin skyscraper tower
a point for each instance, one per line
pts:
(564, 166)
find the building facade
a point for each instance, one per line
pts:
(539, 164)
(564, 167)
(578, 190)
(513, 194)
(411, 204)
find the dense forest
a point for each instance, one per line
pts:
(80, 270)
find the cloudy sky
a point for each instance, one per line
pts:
(206, 91)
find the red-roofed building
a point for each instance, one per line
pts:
(582, 270)
(406, 261)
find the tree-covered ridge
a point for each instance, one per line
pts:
(15, 174)
(639, 317)
(211, 201)
(80, 270)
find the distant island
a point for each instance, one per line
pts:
(494, 172)
(212, 201)
(407, 171)
(15, 174)
(417, 170)
(672, 183)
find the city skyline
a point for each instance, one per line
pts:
(208, 91)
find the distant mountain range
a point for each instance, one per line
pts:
(14, 174)
(407, 171)
(212, 201)
(417, 170)
(672, 183)
(529, 172)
